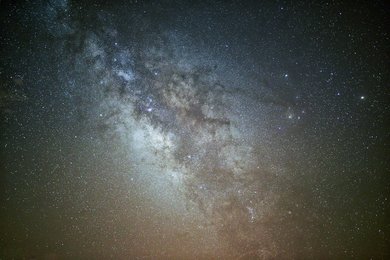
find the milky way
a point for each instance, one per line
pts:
(211, 144)
(178, 130)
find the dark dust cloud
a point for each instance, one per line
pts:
(194, 130)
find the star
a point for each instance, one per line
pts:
(153, 130)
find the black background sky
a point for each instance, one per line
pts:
(194, 129)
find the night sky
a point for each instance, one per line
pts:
(194, 130)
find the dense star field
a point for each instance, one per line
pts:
(194, 130)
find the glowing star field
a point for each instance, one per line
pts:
(194, 130)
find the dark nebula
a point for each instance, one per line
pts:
(194, 130)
